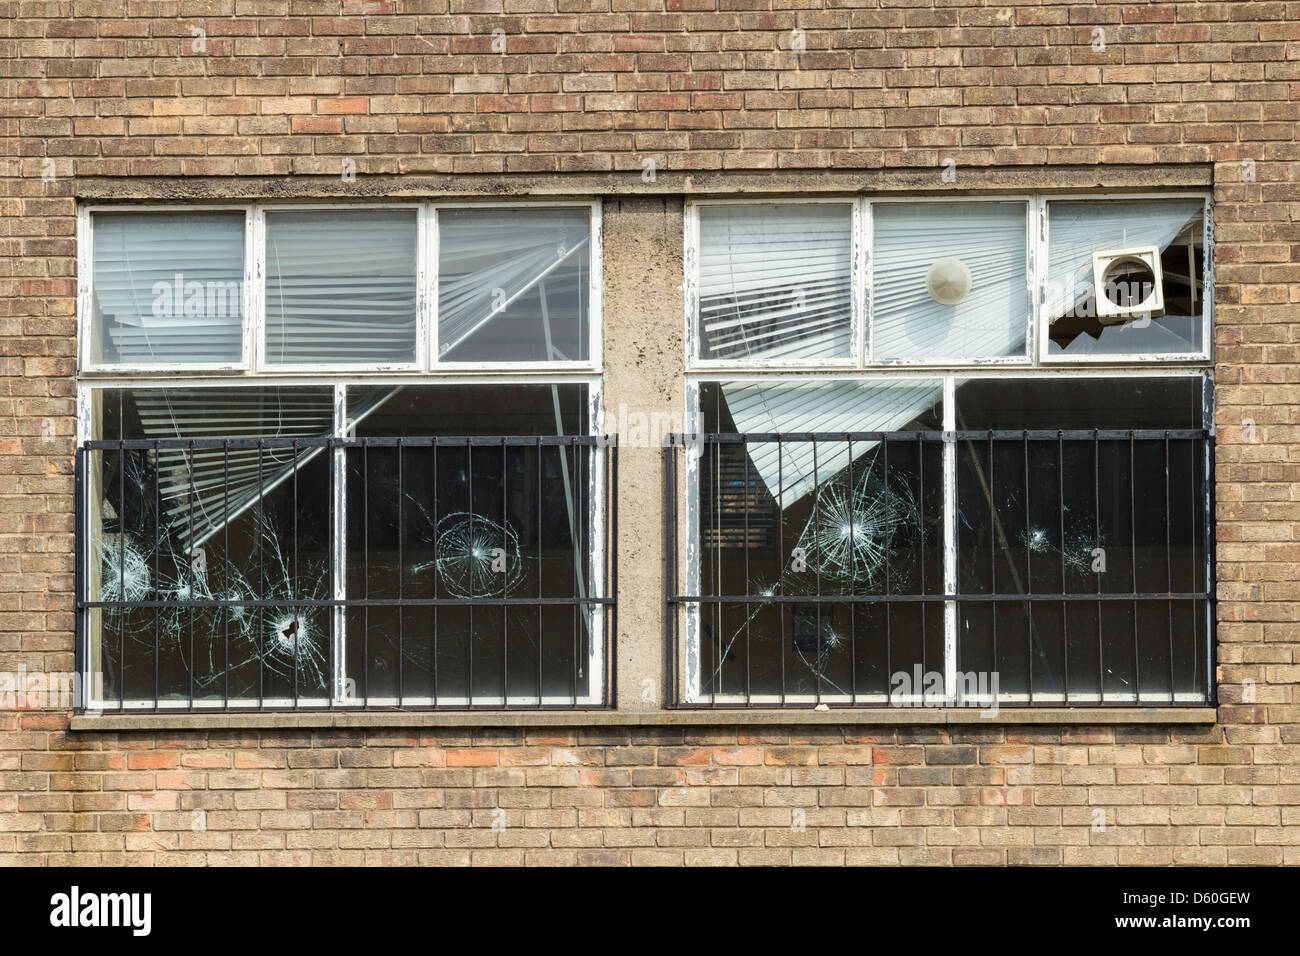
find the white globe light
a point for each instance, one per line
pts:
(948, 281)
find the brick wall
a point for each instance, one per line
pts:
(103, 96)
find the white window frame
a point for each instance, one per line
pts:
(1045, 358)
(863, 357)
(948, 380)
(253, 370)
(253, 361)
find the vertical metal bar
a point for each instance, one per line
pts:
(1065, 605)
(192, 573)
(541, 630)
(296, 643)
(1029, 579)
(572, 481)
(505, 557)
(853, 559)
(1169, 561)
(261, 574)
(1211, 571)
(81, 513)
(611, 552)
(748, 613)
(469, 655)
(1132, 528)
(157, 576)
(780, 538)
(365, 566)
(950, 607)
(993, 552)
(225, 560)
(1096, 508)
(716, 684)
(817, 570)
(889, 607)
(434, 697)
(401, 574)
(121, 572)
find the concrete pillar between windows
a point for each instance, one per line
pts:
(644, 332)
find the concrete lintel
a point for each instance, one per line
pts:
(117, 723)
(1008, 179)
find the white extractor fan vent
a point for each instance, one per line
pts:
(1128, 284)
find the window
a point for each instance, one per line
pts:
(285, 502)
(948, 519)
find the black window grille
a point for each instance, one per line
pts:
(447, 572)
(1050, 567)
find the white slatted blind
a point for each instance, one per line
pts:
(341, 287)
(775, 281)
(843, 406)
(493, 266)
(168, 288)
(990, 239)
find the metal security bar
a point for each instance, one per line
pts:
(1060, 567)
(447, 572)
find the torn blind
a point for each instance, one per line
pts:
(494, 267)
(989, 237)
(788, 469)
(775, 282)
(340, 287)
(168, 288)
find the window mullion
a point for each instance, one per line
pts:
(255, 317)
(949, 536)
(862, 283)
(427, 284)
(340, 691)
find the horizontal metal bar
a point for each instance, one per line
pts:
(425, 441)
(996, 434)
(359, 602)
(915, 598)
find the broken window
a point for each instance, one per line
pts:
(1050, 542)
(875, 534)
(1128, 253)
(258, 539)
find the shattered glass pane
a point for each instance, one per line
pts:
(188, 527)
(469, 522)
(1078, 230)
(871, 524)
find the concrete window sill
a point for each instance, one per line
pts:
(653, 718)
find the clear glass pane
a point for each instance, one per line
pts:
(167, 288)
(464, 522)
(195, 526)
(775, 282)
(340, 287)
(1080, 231)
(513, 284)
(949, 280)
(1069, 512)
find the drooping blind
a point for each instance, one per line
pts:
(792, 469)
(1078, 229)
(511, 284)
(775, 281)
(204, 488)
(907, 323)
(167, 288)
(341, 287)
